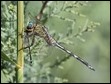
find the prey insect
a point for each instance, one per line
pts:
(41, 31)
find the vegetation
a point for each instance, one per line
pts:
(72, 24)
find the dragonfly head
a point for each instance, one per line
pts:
(30, 25)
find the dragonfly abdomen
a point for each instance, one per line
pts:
(75, 56)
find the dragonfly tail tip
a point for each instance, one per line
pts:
(90, 67)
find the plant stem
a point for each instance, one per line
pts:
(20, 57)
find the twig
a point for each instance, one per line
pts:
(38, 17)
(57, 63)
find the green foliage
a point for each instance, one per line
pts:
(66, 23)
(5, 57)
(8, 40)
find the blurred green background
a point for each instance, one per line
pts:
(93, 47)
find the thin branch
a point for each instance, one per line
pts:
(41, 11)
(57, 63)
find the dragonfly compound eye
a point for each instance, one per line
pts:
(30, 25)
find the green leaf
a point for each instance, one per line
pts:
(5, 57)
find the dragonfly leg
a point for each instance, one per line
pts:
(29, 52)
(33, 39)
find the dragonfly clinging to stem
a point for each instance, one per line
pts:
(41, 31)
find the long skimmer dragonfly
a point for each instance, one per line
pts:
(41, 31)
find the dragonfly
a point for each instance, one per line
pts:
(37, 29)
